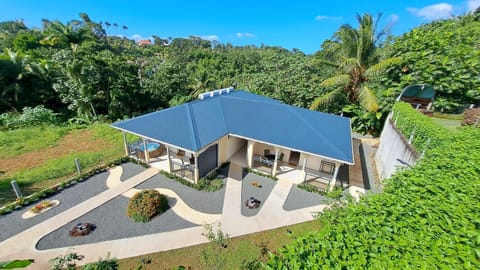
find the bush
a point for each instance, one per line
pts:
(38, 115)
(427, 217)
(146, 204)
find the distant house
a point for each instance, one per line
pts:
(251, 130)
(420, 96)
(144, 42)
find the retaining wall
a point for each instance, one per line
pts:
(394, 151)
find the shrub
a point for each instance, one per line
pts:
(146, 204)
(30, 117)
(427, 217)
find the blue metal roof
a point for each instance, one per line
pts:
(196, 124)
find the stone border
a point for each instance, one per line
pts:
(30, 214)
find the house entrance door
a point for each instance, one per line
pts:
(294, 158)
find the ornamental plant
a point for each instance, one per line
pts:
(146, 204)
(40, 206)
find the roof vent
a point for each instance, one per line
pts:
(215, 93)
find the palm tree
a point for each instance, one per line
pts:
(353, 53)
(64, 35)
(202, 79)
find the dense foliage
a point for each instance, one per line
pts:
(146, 204)
(445, 54)
(78, 70)
(427, 217)
(81, 73)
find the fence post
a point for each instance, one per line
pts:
(410, 139)
(77, 164)
(424, 148)
(16, 189)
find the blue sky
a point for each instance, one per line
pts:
(290, 24)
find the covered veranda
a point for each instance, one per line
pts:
(285, 163)
(167, 157)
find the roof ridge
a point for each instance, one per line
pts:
(193, 125)
(227, 129)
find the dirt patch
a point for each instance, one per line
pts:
(77, 141)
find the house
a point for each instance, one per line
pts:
(144, 42)
(420, 96)
(255, 131)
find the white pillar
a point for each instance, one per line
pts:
(304, 167)
(196, 174)
(334, 177)
(169, 160)
(250, 147)
(125, 143)
(275, 163)
(145, 150)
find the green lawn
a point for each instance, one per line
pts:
(43, 156)
(20, 141)
(239, 250)
(451, 124)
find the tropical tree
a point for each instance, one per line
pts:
(14, 67)
(202, 79)
(62, 35)
(353, 51)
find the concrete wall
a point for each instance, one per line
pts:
(393, 147)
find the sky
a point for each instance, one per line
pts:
(290, 24)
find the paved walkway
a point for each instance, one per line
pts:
(179, 207)
(272, 215)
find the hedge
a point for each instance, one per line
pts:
(428, 216)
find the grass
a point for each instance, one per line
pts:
(40, 157)
(19, 141)
(240, 249)
(450, 124)
(448, 116)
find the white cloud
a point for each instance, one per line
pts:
(394, 18)
(138, 37)
(210, 37)
(322, 17)
(473, 5)
(247, 35)
(433, 12)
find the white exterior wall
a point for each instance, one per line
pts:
(392, 147)
(313, 162)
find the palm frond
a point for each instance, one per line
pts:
(382, 66)
(325, 62)
(348, 64)
(368, 99)
(336, 81)
(325, 99)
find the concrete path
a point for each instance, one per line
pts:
(272, 215)
(176, 203)
(22, 245)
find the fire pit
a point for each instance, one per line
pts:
(252, 203)
(81, 229)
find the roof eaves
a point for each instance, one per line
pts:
(315, 131)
